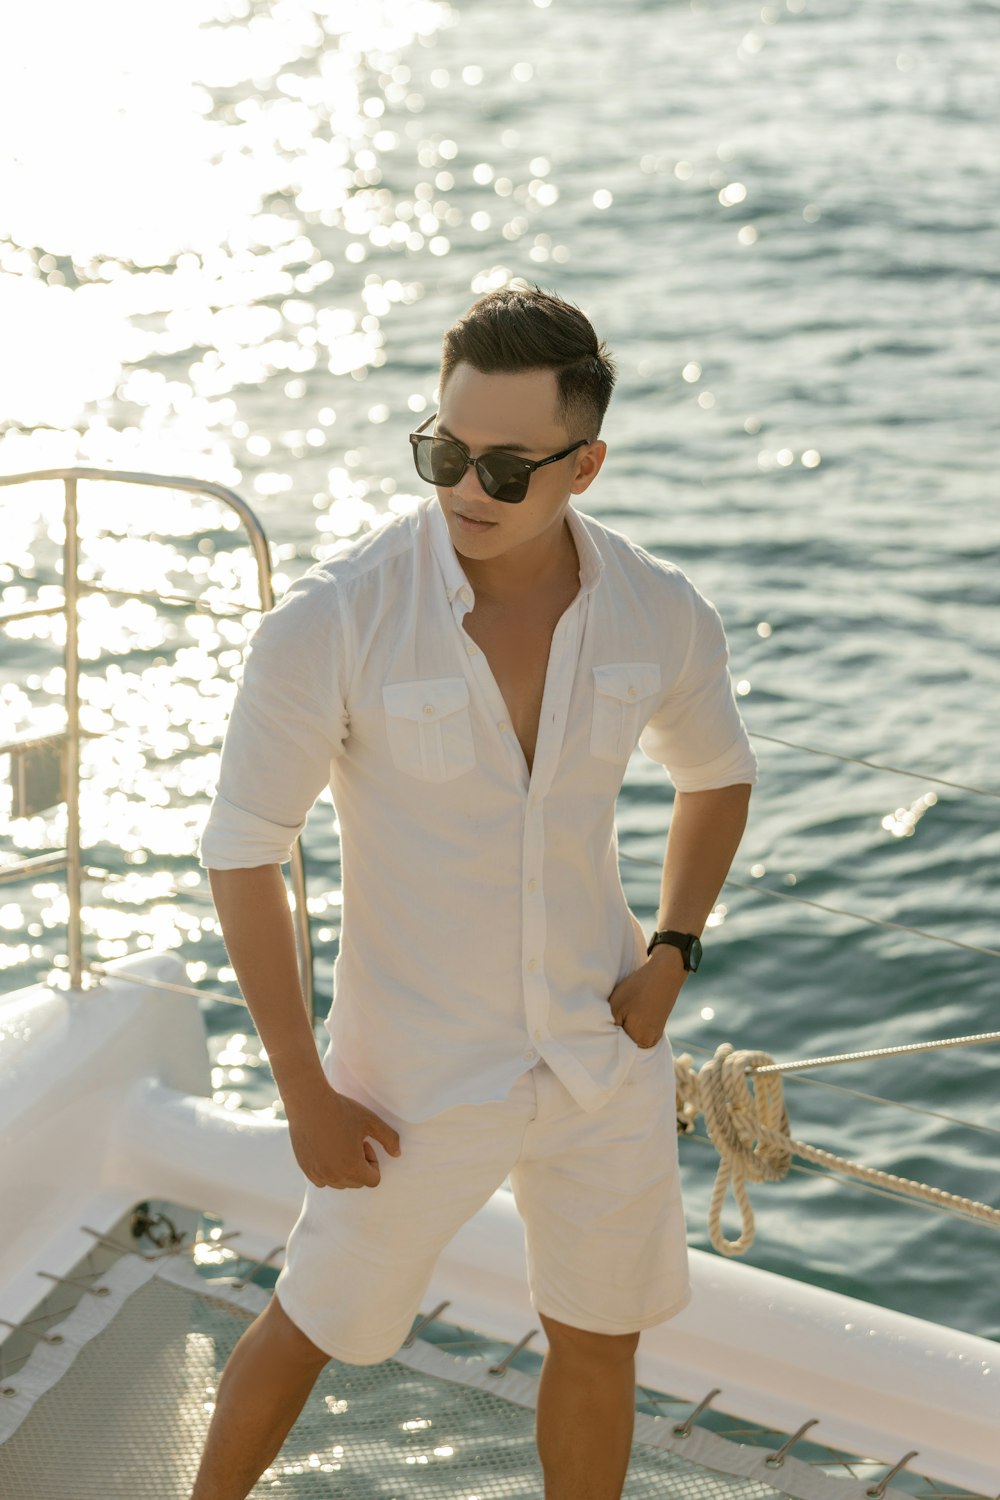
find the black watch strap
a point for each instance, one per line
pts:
(688, 942)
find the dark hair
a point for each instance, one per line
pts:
(517, 328)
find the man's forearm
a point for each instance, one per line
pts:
(260, 939)
(705, 833)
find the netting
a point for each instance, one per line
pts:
(119, 1410)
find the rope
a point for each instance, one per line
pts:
(903, 1049)
(839, 1088)
(750, 1131)
(817, 1173)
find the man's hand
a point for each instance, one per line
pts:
(328, 1133)
(642, 1002)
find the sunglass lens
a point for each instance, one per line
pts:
(439, 461)
(505, 477)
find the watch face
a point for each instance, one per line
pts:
(694, 957)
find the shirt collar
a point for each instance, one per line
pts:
(454, 575)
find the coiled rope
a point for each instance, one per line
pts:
(751, 1132)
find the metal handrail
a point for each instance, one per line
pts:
(69, 859)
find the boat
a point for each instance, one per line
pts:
(144, 1219)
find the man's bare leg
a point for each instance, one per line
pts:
(262, 1390)
(585, 1413)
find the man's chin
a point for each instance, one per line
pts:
(473, 542)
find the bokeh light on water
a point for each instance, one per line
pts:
(198, 236)
(209, 218)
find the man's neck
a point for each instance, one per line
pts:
(520, 580)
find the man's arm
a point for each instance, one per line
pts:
(257, 928)
(329, 1131)
(705, 833)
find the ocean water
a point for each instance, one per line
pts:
(230, 241)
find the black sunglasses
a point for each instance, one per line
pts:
(504, 476)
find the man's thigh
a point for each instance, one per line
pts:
(600, 1197)
(358, 1260)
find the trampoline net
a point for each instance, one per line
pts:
(119, 1410)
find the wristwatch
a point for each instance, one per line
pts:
(688, 942)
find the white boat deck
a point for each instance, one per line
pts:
(126, 1116)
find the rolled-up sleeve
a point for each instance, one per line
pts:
(697, 732)
(288, 721)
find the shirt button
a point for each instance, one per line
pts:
(532, 964)
(529, 1054)
(503, 726)
(532, 884)
(631, 692)
(466, 594)
(428, 708)
(472, 650)
(537, 1034)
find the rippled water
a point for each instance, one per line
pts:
(230, 242)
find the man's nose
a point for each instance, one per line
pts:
(470, 486)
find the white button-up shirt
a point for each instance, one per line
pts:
(484, 923)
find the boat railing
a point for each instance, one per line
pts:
(45, 768)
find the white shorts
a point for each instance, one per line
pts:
(598, 1193)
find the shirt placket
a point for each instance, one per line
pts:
(534, 787)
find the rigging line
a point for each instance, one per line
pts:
(856, 760)
(837, 911)
(165, 984)
(934, 937)
(917, 1109)
(824, 1083)
(864, 1187)
(188, 601)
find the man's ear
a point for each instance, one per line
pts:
(590, 465)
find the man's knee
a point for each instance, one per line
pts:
(294, 1343)
(610, 1347)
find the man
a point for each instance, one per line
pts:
(471, 679)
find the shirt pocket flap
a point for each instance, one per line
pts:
(628, 680)
(425, 701)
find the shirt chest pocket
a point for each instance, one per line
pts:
(622, 691)
(429, 727)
